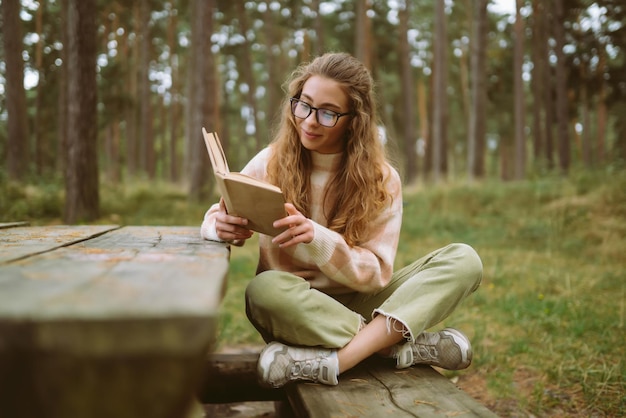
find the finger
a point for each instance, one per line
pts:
(293, 236)
(225, 218)
(231, 228)
(291, 209)
(282, 238)
(293, 217)
(303, 232)
(229, 232)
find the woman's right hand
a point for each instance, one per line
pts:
(229, 227)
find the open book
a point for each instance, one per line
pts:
(261, 203)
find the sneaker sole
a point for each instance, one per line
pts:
(463, 342)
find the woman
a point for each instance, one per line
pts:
(325, 296)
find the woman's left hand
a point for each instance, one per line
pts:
(299, 228)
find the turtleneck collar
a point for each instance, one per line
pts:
(326, 162)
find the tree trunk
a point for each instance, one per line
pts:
(584, 105)
(319, 28)
(478, 109)
(42, 150)
(111, 138)
(272, 34)
(81, 174)
(17, 123)
(248, 76)
(174, 92)
(506, 159)
(112, 151)
(518, 83)
(160, 141)
(191, 107)
(439, 93)
(602, 109)
(132, 137)
(146, 140)
(424, 125)
(61, 145)
(561, 89)
(363, 44)
(548, 82)
(408, 112)
(203, 108)
(537, 81)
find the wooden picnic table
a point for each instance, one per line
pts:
(106, 321)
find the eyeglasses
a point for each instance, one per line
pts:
(324, 117)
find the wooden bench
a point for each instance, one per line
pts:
(103, 321)
(373, 389)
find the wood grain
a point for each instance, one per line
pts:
(376, 389)
(106, 321)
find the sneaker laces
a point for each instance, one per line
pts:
(308, 369)
(279, 364)
(425, 353)
(449, 349)
(322, 368)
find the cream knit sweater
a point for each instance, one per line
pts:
(328, 263)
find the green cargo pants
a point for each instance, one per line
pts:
(284, 308)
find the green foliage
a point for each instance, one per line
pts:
(37, 202)
(138, 203)
(144, 203)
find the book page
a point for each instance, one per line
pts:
(216, 152)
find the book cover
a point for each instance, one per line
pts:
(261, 203)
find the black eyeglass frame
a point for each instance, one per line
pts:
(294, 102)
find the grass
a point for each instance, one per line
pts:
(547, 324)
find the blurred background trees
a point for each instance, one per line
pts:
(466, 90)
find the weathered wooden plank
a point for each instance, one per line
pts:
(19, 242)
(4, 225)
(375, 389)
(115, 325)
(101, 369)
(233, 378)
(128, 272)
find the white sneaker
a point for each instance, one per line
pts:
(280, 364)
(449, 349)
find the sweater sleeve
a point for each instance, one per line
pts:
(367, 267)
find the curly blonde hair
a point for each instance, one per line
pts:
(357, 192)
